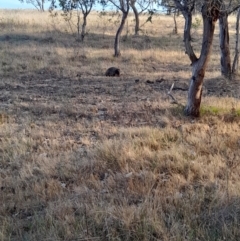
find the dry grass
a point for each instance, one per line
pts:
(86, 157)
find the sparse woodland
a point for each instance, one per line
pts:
(89, 157)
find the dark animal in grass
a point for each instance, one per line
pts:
(149, 82)
(113, 72)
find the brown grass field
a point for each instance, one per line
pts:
(88, 157)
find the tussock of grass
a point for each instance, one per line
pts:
(141, 184)
(169, 181)
(3, 118)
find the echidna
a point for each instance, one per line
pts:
(113, 71)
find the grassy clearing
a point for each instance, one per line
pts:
(86, 157)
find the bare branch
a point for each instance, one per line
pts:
(169, 94)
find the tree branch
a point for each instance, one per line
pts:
(186, 10)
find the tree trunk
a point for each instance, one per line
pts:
(42, 5)
(187, 7)
(78, 26)
(187, 37)
(224, 46)
(136, 14)
(210, 16)
(236, 56)
(118, 34)
(84, 26)
(175, 29)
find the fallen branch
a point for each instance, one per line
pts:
(169, 93)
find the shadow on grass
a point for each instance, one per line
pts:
(63, 39)
(45, 93)
(221, 221)
(25, 39)
(222, 87)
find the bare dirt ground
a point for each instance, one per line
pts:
(99, 101)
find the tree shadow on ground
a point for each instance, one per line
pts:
(92, 40)
(222, 87)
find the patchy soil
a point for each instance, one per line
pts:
(123, 101)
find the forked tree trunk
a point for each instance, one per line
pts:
(118, 34)
(224, 46)
(210, 14)
(199, 65)
(136, 14)
(236, 56)
(83, 33)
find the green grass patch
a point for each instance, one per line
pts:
(212, 110)
(236, 112)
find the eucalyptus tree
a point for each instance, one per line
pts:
(210, 14)
(123, 6)
(138, 7)
(68, 6)
(38, 4)
(211, 11)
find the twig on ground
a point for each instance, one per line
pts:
(169, 93)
